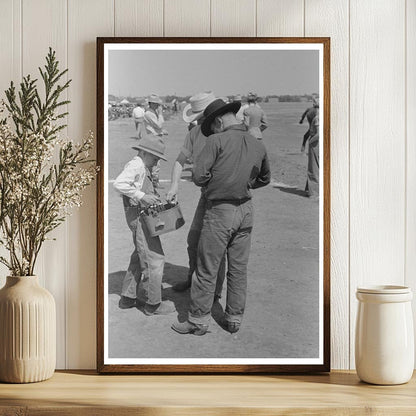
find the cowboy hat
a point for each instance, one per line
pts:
(215, 109)
(153, 98)
(197, 104)
(153, 145)
(238, 98)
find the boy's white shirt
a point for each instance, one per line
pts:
(130, 181)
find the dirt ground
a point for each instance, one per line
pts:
(282, 315)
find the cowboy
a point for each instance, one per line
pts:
(254, 117)
(138, 116)
(153, 121)
(231, 163)
(136, 187)
(194, 143)
(310, 113)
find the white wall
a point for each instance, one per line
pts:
(373, 132)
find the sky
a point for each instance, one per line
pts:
(187, 72)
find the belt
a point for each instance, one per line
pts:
(236, 202)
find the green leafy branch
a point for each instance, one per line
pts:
(36, 194)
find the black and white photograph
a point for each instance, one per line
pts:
(212, 249)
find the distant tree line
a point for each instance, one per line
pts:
(288, 98)
(166, 98)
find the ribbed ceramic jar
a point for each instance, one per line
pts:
(27, 331)
(384, 340)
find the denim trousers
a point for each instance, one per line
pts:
(312, 182)
(146, 262)
(193, 241)
(226, 230)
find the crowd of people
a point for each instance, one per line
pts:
(225, 147)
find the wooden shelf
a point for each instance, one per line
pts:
(86, 393)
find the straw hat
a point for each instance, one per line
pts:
(197, 104)
(215, 109)
(153, 145)
(153, 98)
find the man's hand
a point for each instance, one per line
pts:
(149, 199)
(172, 196)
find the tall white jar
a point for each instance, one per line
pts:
(27, 331)
(384, 340)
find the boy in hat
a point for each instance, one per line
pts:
(136, 187)
(192, 147)
(231, 163)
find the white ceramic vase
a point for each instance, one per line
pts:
(27, 331)
(384, 341)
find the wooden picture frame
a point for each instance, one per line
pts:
(290, 290)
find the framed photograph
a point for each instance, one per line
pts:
(213, 247)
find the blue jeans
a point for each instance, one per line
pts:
(147, 260)
(226, 230)
(193, 241)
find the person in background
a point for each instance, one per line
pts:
(192, 147)
(175, 105)
(310, 113)
(240, 114)
(231, 163)
(254, 117)
(138, 117)
(136, 187)
(153, 117)
(312, 181)
(153, 121)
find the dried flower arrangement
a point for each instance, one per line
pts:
(42, 176)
